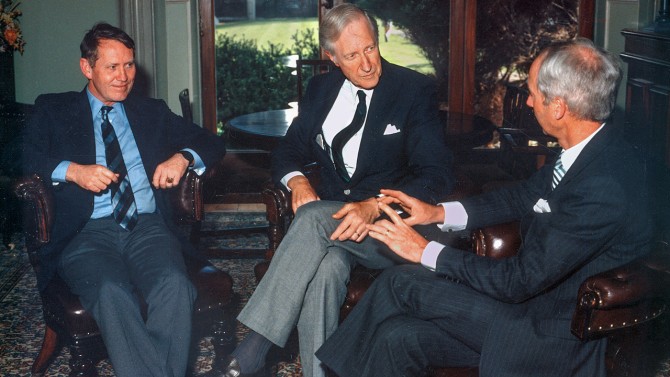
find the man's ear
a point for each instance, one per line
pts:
(86, 68)
(331, 57)
(558, 108)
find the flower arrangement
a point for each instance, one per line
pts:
(10, 30)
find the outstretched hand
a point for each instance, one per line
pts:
(421, 213)
(400, 237)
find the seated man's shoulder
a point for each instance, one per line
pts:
(56, 98)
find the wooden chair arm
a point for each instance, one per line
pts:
(38, 209)
(625, 296)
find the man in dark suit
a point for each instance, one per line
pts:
(511, 317)
(398, 142)
(111, 157)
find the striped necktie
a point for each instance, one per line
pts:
(559, 172)
(123, 200)
(347, 133)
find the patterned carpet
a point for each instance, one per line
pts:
(22, 330)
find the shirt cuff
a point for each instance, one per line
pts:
(287, 177)
(455, 217)
(198, 165)
(58, 175)
(430, 254)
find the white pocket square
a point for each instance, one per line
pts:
(541, 206)
(391, 129)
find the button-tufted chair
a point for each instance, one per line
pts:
(68, 323)
(627, 304)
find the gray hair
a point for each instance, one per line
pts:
(336, 19)
(586, 77)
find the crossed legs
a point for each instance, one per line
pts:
(306, 282)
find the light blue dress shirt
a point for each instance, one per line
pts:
(144, 197)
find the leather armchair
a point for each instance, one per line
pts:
(68, 323)
(625, 304)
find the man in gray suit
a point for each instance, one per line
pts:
(511, 317)
(398, 143)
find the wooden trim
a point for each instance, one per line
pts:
(462, 37)
(207, 64)
(586, 18)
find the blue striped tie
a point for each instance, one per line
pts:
(559, 172)
(123, 200)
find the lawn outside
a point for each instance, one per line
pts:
(398, 49)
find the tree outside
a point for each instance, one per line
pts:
(510, 33)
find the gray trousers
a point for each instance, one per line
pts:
(106, 266)
(306, 282)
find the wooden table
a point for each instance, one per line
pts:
(264, 129)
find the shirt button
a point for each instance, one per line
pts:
(347, 192)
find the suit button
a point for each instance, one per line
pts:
(347, 192)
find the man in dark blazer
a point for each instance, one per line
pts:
(400, 144)
(511, 317)
(111, 158)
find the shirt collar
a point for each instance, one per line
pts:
(570, 155)
(96, 104)
(353, 89)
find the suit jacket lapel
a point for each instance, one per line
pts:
(79, 128)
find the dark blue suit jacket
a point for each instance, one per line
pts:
(598, 220)
(414, 160)
(61, 128)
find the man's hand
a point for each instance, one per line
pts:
(400, 237)
(355, 217)
(302, 192)
(93, 178)
(421, 213)
(169, 172)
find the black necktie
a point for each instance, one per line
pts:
(123, 200)
(343, 136)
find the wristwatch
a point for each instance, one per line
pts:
(188, 156)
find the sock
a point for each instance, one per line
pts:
(251, 352)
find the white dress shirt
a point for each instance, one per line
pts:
(339, 117)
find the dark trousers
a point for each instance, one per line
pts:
(409, 319)
(107, 267)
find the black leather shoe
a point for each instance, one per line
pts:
(232, 369)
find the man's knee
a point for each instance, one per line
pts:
(334, 268)
(317, 211)
(173, 285)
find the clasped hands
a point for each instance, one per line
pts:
(97, 178)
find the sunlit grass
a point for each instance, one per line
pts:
(277, 31)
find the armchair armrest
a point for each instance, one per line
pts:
(277, 201)
(38, 209)
(624, 296)
(497, 241)
(187, 198)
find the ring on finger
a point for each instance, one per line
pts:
(169, 180)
